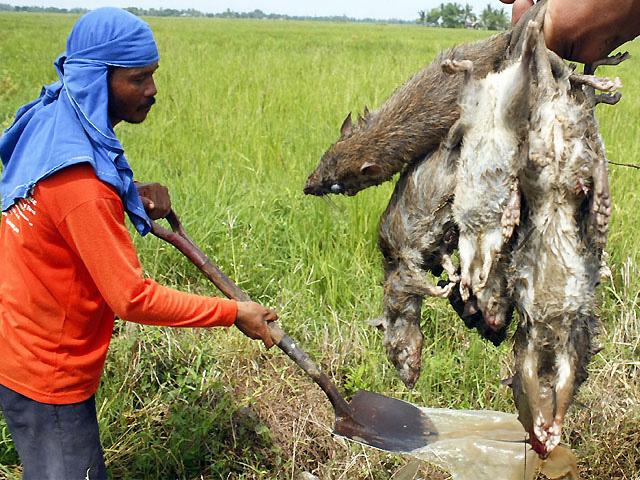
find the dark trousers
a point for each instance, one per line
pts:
(55, 442)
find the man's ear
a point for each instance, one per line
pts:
(110, 70)
(369, 168)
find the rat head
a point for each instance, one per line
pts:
(551, 363)
(494, 308)
(400, 323)
(494, 301)
(351, 164)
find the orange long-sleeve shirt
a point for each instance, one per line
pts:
(67, 267)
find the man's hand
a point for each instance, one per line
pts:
(585, 30)
(155, 198)
(252, 320)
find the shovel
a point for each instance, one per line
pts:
(369, 418)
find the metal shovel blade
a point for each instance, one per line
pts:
(385, 423)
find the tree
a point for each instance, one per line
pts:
(448, 15)
(469, 18)
(452, 15)
(434, 17)
(494, 19)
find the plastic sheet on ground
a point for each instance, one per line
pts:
(479, 445)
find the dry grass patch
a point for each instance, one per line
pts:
(300, 420)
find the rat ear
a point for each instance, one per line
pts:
(362, 120)
(507, 382)
(369, 168)
(380, 323)
(346, 127)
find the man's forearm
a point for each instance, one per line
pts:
(585, 30)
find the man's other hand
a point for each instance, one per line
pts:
(252, 320)
(585, 30)
(155, 198)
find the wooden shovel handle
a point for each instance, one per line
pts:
(178, 237)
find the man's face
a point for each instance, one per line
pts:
(131, 93)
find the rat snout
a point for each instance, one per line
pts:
(314, 186)
(493, 314)
(493, 322)
(311, 187)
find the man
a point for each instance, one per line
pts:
(68, 265)
(585, 30)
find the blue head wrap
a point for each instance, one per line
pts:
(69, 123)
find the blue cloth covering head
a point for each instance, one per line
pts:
(69, 123)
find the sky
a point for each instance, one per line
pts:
(380, 9)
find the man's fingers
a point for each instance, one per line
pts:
(155, 199)
(147, 203)
(252, 319)
(268, 342)
(271, 316)
(155, 211)
(266, 338)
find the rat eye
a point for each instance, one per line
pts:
(337, 188)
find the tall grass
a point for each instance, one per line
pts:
(245, 110)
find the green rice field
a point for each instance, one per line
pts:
(245, 110)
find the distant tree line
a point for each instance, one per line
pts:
(447, 15)
(5, 7)
(171, 12)
(454, 15)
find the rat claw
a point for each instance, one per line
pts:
(464, 291)
(445, 291)
(450, 268)
(613, 60)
